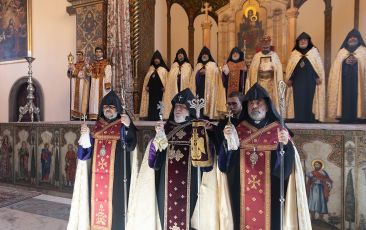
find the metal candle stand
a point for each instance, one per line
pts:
(30, 107)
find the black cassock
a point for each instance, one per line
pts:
(349, 92)
(155, 95)
(304, 85)
(200, 83)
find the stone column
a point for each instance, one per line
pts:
(221, 51)
(206, 32)
(327, 37)
(291, 15)
(91, 21)
(357, 14)
(191, 36)
(169, 35)
(231, 35)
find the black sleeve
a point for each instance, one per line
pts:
(159, 160)
(131, 138)
(289, 159)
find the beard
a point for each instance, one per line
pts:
(204, 59)
(257, 115)
(179, 118)
(352, 43)
(266, 50)
(303, 46)
(110, 115)
(235, 58)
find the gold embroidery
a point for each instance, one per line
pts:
(101, 217)
(180, 134)
(197, 145)
(175, 227)
(102, 164)
(254, 182)
(177, 155)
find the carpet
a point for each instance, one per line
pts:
(10, 196)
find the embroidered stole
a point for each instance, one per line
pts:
(234, 76)
(255, 174)
(178, 178)
(105, 136)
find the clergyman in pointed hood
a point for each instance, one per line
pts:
(305, 78)
(234, 72)
(206, 82)
(347, 77)
(179, 78)
(153, 88)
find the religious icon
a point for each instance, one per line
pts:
(5, 158)
(318, 186)
(46, 161)
(70, 165)
(23, 161)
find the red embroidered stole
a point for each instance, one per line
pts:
(103, 174)
(255, 174)
(234, 76)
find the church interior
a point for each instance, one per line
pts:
(38, 120)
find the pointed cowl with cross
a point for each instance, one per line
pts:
(257, 92)
(182, 98)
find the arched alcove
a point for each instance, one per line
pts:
(18, 97)
(198, 37)
(311, 21)
(160, 28)
(179, 33)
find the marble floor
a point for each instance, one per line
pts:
(38, 213)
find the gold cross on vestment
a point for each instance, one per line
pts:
(206, 9)
(254, 182)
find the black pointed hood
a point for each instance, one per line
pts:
(157, 55)
(181, 51)
(110, 99)
(236, 50)
(353, 33)
(183, 97)
(207, 51)
(257, 92)
(303, 35)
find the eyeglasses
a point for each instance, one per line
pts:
(109, 107)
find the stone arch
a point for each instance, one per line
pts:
(17, 97)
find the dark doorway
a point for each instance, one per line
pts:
(18, 97)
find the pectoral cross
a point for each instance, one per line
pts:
(160, 107)
(207, 8)
(229, 115)
(197, 104)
